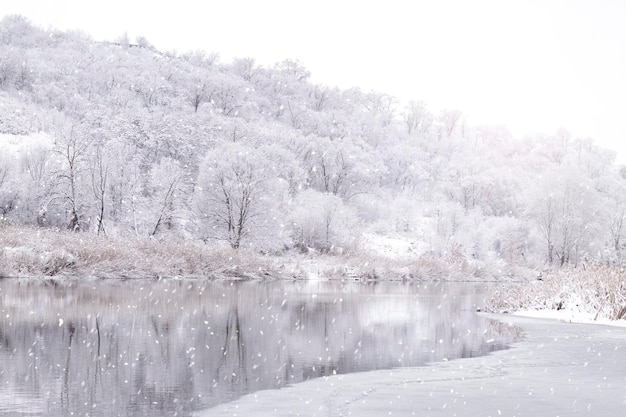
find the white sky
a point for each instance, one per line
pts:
(533, 65)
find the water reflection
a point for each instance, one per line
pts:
(167, 348)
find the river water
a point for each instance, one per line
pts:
(167, 348)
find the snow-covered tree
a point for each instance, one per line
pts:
(564, 211)
(322, 221)
(342, 168)
(237, 195)
(71, 155)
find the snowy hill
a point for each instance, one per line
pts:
(122, 140)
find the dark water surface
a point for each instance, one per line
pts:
(167, 348)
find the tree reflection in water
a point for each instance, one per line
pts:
(144, 348)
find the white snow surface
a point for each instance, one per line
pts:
(13, 145)
(389, 246)
(559, 369)
(571, 316)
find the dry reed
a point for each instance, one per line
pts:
(597, 290)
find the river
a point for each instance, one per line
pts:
(170, 347)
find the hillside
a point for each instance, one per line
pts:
(121, 140)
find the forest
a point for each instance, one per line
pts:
(118, 140)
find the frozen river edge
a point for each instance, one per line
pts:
(559, 369)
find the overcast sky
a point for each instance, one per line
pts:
(533, 65)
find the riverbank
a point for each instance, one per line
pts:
(30, 252)
(558, 369)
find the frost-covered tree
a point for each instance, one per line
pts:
(8, 191)
(564, 211)
(197, 92)
(99, 169)
(323, 222)
(246, 68)
(342, 168)
(71, 154)
(417, 118)
(124, 186)
(404, 168)
(236, 196)
(616, 219)
(449, 122)
(167, 192)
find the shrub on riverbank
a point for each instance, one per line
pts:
(39, 252)
(36, 252)
(595, 291)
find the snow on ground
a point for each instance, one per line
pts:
(13, 145)
(560, 369)
(570, 316)
(389, 247)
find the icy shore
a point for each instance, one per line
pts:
(560, 369)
